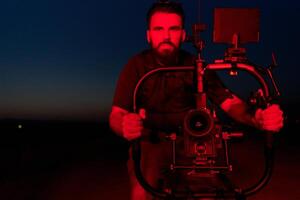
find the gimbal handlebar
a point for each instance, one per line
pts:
(236, 192)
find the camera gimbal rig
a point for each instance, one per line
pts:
(204, 140)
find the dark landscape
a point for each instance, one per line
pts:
(62, 160)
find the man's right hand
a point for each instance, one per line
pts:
(132, 124)
(126, 124)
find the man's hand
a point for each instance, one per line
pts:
(269, 119)
(132, 125)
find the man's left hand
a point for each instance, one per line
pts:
(269, 119)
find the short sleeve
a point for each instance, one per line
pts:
(126, 83)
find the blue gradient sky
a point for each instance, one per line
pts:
(60, 59)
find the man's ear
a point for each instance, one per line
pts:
(148, 36)
(183, 36)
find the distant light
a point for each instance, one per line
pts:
(20, 126)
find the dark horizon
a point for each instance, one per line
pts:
(291, 113)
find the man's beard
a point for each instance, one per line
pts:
(166, 56)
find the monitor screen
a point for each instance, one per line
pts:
(244, 22)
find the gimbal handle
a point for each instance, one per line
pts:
(253, 70)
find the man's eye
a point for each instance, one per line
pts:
(157, 28)
(176, 28)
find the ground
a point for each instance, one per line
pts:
(86, 161)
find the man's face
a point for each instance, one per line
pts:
(165, 33)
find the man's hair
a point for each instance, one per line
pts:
(165, 7)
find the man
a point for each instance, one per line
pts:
(165, 98)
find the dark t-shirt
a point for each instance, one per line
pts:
(166, 96)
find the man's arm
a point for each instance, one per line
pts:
(116, 118)
(270, 119)
(125, 124)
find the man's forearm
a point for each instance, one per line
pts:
(239, 111)
(115, 123)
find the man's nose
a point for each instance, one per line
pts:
(166, 34)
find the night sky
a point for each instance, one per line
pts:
(60, 59)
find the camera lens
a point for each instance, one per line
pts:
(198, 122)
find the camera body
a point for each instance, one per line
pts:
(202, 136)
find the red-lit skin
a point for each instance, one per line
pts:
(269, 119)
(165, 32)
